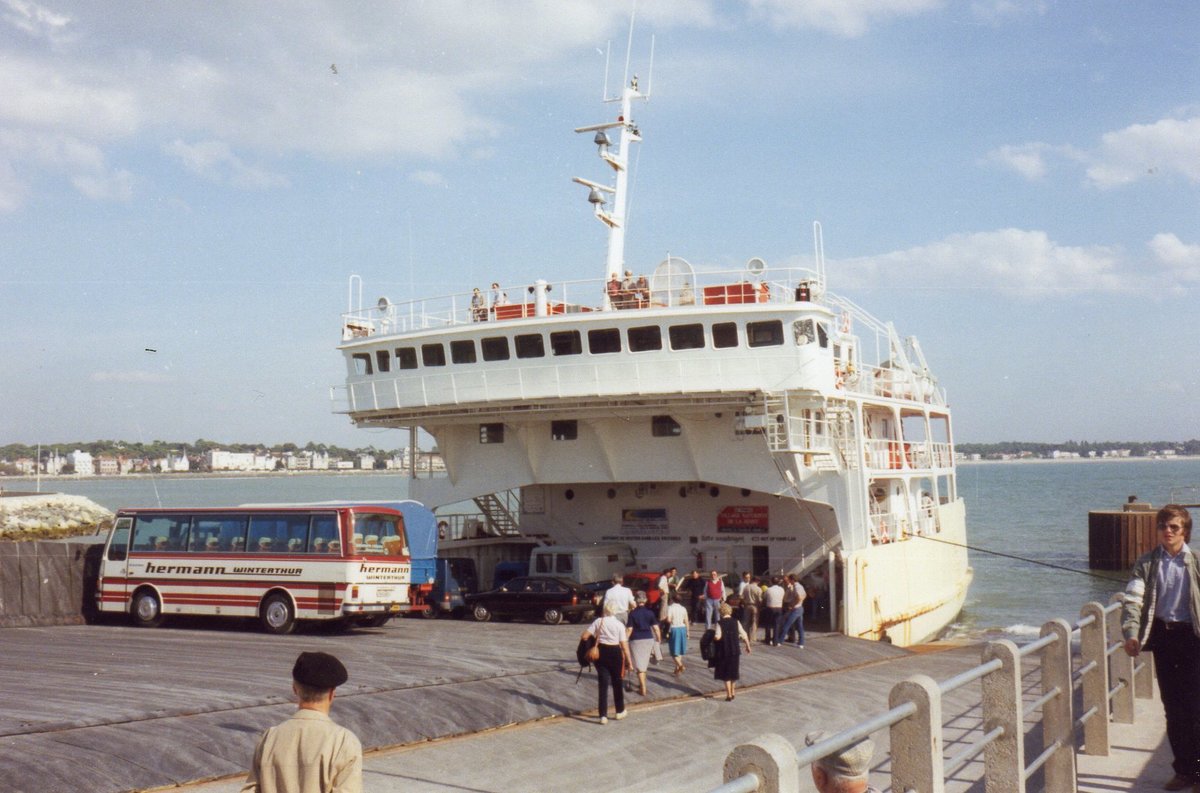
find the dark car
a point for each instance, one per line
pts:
(456, 578)
(550, 599)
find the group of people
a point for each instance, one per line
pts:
(775, 604)
(482, 305)
(629, 292)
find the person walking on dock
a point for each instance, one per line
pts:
(614, 659)
(1162, 615)
(621, 597)
(792, 616)
(677, 618)
(729, 638)
(714, 596)
(308, 753)
(772, 607)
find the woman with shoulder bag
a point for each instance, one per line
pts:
(612, 661)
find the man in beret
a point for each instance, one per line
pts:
(308, 753)
(845, 771)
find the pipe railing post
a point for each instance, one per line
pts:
(1120, 670)
(1143, 677)
(1058, 721)
(1004, 758)
(1093, 650)
(917, 761)
(771, 758)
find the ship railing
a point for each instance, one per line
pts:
(544, 298)
(999, 711)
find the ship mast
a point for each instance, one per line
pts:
(598, 193)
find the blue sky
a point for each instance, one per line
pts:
(1015, 183)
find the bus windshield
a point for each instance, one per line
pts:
(378, 533)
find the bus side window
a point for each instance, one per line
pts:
(161, 533)
(118, 545)
(322, 533)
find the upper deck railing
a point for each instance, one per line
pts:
(545, 298)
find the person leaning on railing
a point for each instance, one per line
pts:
(1162, 615)
(844, 771)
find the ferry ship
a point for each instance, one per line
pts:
(748, 420)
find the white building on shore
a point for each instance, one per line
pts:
(82, 462)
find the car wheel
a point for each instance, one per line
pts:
(552, 616)
(575, 618)
(277, 615)
(429, 611)
(481, 613)
(146, 609)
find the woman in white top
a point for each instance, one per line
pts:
(677, 618)
(614, 659)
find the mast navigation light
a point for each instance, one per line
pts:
(596, 197)
(602, 140)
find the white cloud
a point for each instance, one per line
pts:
(1144, 150)
(215, 161)
(1011, 261)
(1139, 151)
(1182, 261)
(23, 154)
(847, 18)
(998, 11)
(135, 377)
(35, 20)
(1027, 264)
(430, 178)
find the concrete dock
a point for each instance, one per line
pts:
(447, 705)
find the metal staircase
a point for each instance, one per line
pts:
(500, 511)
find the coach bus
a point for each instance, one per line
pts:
(279, 564)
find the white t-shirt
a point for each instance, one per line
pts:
(622, 596)
(773, 597)
(608, 630)
(677, 616)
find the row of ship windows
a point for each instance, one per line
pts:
(568, 430)
(602, 341)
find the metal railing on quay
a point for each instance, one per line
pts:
(1107, 681)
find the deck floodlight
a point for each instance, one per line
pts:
(596, 197)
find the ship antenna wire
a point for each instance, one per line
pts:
(1051, 565)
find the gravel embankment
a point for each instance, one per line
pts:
(50, 515)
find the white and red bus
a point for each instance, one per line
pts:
(278, 564)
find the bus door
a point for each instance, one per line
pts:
(112, 584)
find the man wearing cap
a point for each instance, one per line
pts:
(308, 753)
(846, 770)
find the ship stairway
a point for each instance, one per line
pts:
(500, 511)
(823, 435)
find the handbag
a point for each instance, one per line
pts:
(593, 652)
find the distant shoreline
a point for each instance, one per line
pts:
(202, 475)
(1036, 460)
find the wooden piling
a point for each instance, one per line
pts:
(1117, 538)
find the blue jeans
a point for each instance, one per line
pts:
(712, 612)
(786, 620)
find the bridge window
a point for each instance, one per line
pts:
(564, 430)
(491, 433)
(530, 345)
(687, 337)
(495, 348)
(647, 337)
(433, 355)
(725, 334)
(604, 341)
(383, 360)
(462, 351)
(764, 334)
(566, 342)
(664, 427)
(406, 357)
(362, 363)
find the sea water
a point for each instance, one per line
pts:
(1036, 511)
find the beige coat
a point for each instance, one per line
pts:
(308, 753)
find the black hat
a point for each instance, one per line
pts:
(319, 670)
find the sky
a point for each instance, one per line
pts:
(186, 188)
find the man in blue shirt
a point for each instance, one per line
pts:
(1162, 615)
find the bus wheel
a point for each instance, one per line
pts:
(277, 615)
(552, 616)
(378, 621)
(147, 609)
(481, 613)
(429, 611)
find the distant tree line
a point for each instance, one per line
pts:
(157, 449)
(1082, 448)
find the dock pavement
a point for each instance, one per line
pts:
(445, 705)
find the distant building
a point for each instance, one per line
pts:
(107, 466)
(366, 462)
(82, 463)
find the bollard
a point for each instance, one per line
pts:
(1004, 757)
(1093, 652)
(1058, 721)
(916, 751)
(771, 758)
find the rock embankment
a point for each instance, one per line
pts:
(49, 515)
